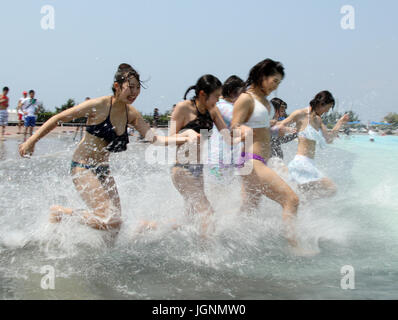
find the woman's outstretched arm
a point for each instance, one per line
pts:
(136, 120)
(332, 134)
(84, 109)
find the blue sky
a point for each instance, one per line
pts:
(172, 43)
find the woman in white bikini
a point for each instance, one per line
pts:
(252, 110)
(312, 132)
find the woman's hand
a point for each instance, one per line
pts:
(283, 130)
(345, 118)
(26, 149)
(193, 136)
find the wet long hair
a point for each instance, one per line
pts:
(231, 86)
(123, 74)
(265, 68)
(208, 83)
(321, 99)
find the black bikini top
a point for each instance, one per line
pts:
(202, 121)
(106, 131)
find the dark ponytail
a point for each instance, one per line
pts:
(321, 99)
(124, 73)
(189, 89)
(265, 68)
(208, 83)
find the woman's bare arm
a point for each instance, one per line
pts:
(332, 134)
(136, 120)
(85, 109)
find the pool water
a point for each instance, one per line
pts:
(246, 257)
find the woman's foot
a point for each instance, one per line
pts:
(147, 226)
(303, 252)
(56, 213)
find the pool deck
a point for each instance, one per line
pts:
(11, 132)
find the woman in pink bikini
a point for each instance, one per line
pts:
(252, 110)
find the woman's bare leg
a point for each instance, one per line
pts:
(251, 194)
(266, 181)
(192, 190)
(101, 204)
(320, 189)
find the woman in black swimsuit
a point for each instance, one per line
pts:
(198, 114)
(107, 121)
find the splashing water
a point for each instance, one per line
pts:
(247, 256)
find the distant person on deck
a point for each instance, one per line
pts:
(30, 108)
(155, 117)
(4, 102)
(19, 111)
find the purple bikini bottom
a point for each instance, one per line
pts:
(249, 156)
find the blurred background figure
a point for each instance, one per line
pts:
(20, 112)
(4, 102)
(155, 117)
(30, 108)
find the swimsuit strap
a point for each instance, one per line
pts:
(110, 109)
(127, 116)
(198, 112)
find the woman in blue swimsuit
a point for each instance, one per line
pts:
(107, 121)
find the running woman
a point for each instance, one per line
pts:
(253, 110)
(312, 132)
(280, 107)
(222, 157)
(198, 113)
(107, 121)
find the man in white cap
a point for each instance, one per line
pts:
(20, 112)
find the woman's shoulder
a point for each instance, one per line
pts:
(133, 112)
(184, 106)
(100, 101)
(245, 99)
(301, 112)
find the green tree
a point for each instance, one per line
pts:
(43, 115)
(69, 104)
(331, 118)
(392, 118)
(353, 116)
